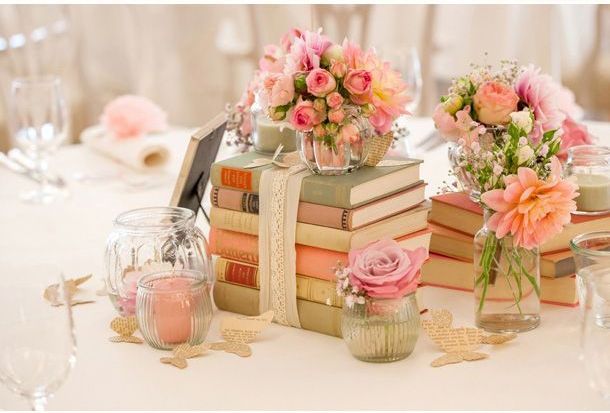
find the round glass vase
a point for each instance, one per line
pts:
(590, 165)
(381, 330)
(267, 134)
(149, 240)
(331, 155)
(506, 283)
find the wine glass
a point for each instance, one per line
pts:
(406, 61)
(37, 342)
(39, 123)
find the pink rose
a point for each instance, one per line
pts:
(320, 82)
(384, 270)
(494, 102)
(338, 69)
(131, 116)
(574, 134)
(334, 100)
(282, 91)
(358, 84)
(336, 115)
(350, 133)
(304, 116)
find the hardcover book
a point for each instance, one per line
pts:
(327, 216)
(310, 261)
(334, 239)
(346, 191)
(446, 207)
(446, 272)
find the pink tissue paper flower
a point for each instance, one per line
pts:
(131, 116)
(385, 270)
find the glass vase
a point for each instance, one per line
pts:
(267, 134)
(468, 184)
(150, 240)
(507, 283)
(381, 330)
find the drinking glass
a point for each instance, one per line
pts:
(406, 61)
(39, 123)
(592, 259)
(37, 343)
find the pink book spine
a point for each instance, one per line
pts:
(234, 245)
(325, 216)
(234, 200)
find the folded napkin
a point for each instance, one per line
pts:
(146, 153)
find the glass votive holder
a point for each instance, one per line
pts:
(174, 307)
(590, 164)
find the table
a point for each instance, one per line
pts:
(290, 368)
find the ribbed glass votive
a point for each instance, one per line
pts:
(381, 330)
(174, 307)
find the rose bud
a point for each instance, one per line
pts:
(319, 105)
(452, 104)
(300, 84)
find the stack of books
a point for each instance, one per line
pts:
(335, 214)
(455, 219)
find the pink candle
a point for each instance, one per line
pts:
(173, 307)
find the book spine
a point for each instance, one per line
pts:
(310, 289)
(234, 221)
(236, 178)
(316, 317)
(328, 193)
(233, 245)
(325, 216)
(234, 200)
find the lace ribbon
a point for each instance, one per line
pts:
(279, 192)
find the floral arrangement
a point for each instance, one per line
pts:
(513, 124)
(131, 116)
(380, 270)
(323, 87)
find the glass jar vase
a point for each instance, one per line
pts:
(267, 134)
(506, 283)
(468, 184)
(174, 307)
(381, 330)
(590, 165)
(149, 240)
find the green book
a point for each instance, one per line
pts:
(349, 191)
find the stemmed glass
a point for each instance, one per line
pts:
(406, 61)
(39, 123)
(37, 342)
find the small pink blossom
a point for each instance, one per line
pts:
(131, 116)
(459, 128)
(304, 117)
(338, 69)
(282, 91)
(320, 82)
(358, 83)
(306, 51)
(334, 100)
(336, 115)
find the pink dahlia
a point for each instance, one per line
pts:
(530, 209)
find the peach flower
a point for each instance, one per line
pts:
(304, 116)
(358, 83)
(494, 102)
(336, 115)
(530, 209)
(334, 100)
(385, 270)
(131, 116)
(320, 82)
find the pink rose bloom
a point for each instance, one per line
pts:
(320, 82)
(273, 59)
(131, 116)
(494, 102)
(574, 134)
(306, 51)
(282, 91)
(350, 133)
(530, 209)
(334, 100)
(544, 97)
(384, 270)
(358, 83)
(304, 116)
(336, 115)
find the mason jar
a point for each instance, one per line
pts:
(268, 134)
(590, 165)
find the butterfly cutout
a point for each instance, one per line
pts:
(257, 163)
(52, 292)
(185, 351)
(125, 327)
(459, 343)
(241, 349)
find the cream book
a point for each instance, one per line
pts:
(333, 239)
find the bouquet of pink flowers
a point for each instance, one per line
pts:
(511, 126)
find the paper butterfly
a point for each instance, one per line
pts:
(185, 351)
(241, 349)
(125, 327)
(256, 163)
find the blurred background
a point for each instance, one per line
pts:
(193, 59)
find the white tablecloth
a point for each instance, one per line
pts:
(290, 368)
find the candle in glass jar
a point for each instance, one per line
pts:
(173, 306)
(594, 192)
(271, 134)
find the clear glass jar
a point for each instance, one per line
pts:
(331, 155)
(381, 330)
(267, 134)
(174, 307)
(506, 283)
(590, 164)
(149, 240)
